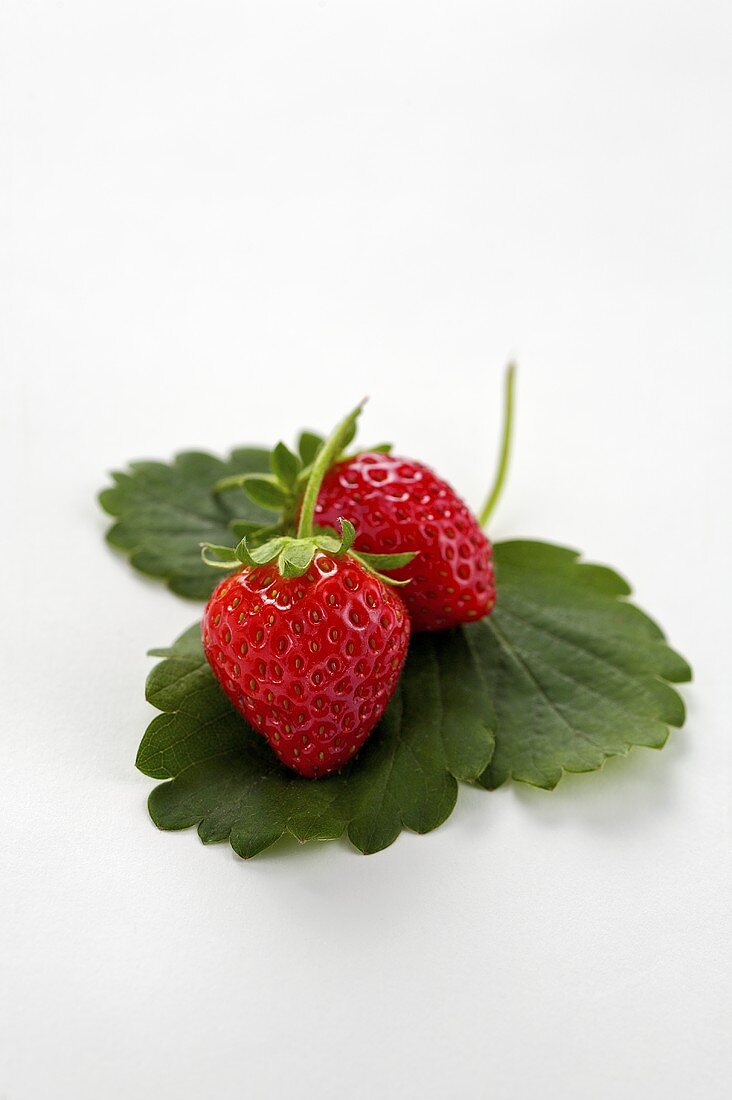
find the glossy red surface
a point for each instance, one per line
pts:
(310, 662)
(397, 504)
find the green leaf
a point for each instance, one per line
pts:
(164, 512)
(308, 446)
(225, 780)
(285, 465)
(576, 672)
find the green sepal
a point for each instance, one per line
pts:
(294, 554)
(348, 535)
(242, 527)
(381, 562)
(329, 543)
(234, 481)
(259, 555)
(285, 466)
(383, 577)
(308, 446)
(295, 558)
(251, 531)
(266, 491)
(219, 557)
(327, 539)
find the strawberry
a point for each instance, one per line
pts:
(397, 503)
(306, 639)
(309, 661)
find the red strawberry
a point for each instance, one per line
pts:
(310, 661)
(398, 504)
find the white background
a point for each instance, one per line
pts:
(224, 221)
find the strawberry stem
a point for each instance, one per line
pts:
(327, 454)
(505, 451)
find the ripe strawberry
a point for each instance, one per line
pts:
(398, 504)
(305, 637)
(310, 661)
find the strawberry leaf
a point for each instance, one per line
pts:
(164, 512)
(576, 672)
(225, 780)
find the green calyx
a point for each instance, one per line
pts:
(293, 556)
(260, 546)
(282, 490)
(291, 490)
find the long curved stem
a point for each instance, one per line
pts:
(340, 438)
(505, 451)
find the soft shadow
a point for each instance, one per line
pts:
(286, 849)
(623, 794)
